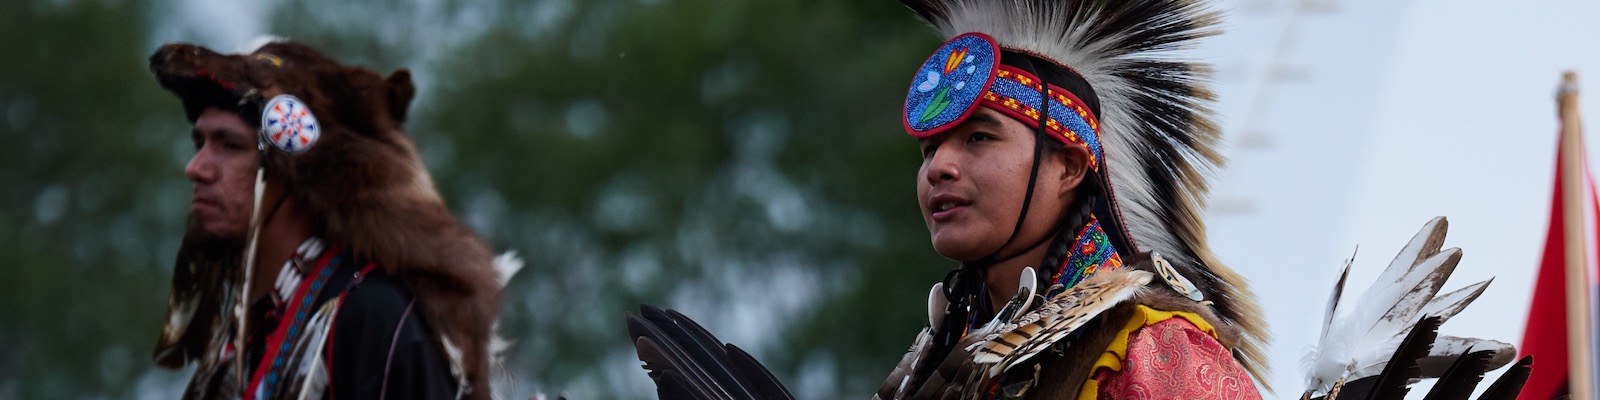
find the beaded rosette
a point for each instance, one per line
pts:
(287, 123)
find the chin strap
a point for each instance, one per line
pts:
(964, 286)
(1027, 202)
(1039, 136)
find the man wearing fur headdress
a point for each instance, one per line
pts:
(319, 260)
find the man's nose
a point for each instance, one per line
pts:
(944, 166)
(200, 168)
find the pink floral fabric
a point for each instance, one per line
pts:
(1173, 359)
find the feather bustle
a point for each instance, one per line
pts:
(1001, 344)
(1415, 292)
(1376, 344)
(1060, 317)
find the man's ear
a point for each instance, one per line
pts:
(1075, 166)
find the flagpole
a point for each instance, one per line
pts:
(1579, 326)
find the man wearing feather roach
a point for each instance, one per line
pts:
(1063, 166)
(1066, 154)
(319, 260)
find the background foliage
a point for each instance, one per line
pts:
(741, 161)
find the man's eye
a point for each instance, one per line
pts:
(979, 137)
(236, 145)
(928, 149)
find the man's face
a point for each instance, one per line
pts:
(223, 172)
(972, 183)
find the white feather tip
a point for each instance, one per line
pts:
(506, 266)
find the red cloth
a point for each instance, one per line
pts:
(1173, 359)
(1545, 337)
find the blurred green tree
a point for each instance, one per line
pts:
(741, 161)
(93, 199)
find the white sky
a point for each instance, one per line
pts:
(1354, 122)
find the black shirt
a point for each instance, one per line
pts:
(381, 347)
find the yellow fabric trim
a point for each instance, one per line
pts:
(1118, 350)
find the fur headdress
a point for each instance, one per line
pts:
(1154, 125)
(363, 182)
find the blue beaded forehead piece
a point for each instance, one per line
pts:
(950, 84)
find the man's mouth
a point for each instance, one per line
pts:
(198, 202)
(946, 206)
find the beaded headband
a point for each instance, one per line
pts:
(966, 72)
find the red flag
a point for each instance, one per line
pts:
(1548, 336)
